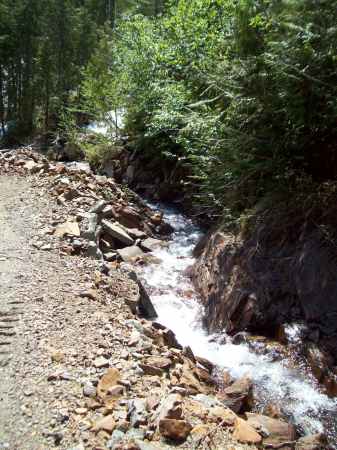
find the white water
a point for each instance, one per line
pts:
(177, 307)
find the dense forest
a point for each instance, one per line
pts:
(244, 93)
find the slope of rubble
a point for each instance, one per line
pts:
(82, 364)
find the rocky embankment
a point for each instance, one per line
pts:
(99, 373)
(281, 272)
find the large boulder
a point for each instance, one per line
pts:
(276, 431)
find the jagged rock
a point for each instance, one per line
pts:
(239, 396)
(111, 256)
(69, 228)
(245, 434)
(136, 233)
(177, 430)
(108, 212)
(130, 253)
(117, 232)
(276, 431)
(142, 300)
(116, 437)
(315, 442)
(171, 407)
(137, 414)
(90, 232)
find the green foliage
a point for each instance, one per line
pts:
(243, 91)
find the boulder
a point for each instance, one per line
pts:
(117, 232)
(141, 302)
(129, 217)
(245, 434)
(276, 431)
(129, 254)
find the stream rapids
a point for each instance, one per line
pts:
(278, 382)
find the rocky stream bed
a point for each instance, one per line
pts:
(98, 369)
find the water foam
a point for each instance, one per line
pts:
(292, 388)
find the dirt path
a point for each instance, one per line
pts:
(49, 334)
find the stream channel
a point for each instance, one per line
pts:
(277, 382)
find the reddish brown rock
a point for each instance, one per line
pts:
(239, 396)
(177, 430)
(315, 442)
(108, 381)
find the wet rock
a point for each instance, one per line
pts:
(245, 434)
(131, 253)
(275, 431)
(151, 244)
(315, 442)
(177, 430)
(239, 396)
(117, 232)
(135, 233)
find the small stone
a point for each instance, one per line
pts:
(89, 390)
(101, 362)
(58, 356)
(151, 370)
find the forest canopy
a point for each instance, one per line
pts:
(243, 92)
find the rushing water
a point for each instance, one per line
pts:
(294, 390)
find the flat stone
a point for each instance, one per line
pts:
(117, 232)
(68, 228)
(151, 244)
(159, 361)
(151, 370)
(101, 362)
